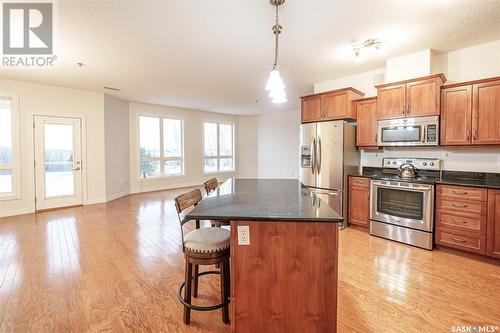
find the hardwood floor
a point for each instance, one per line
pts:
(117, 267)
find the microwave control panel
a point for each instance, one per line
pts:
(431, 133)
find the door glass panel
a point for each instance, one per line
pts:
(5, 131)
(405, 204)
(5, 181)
(58, 152)
(401, 134)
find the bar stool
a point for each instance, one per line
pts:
(210, 185)
(202, 246)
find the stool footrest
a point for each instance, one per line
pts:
(197, 307)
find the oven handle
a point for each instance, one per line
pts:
(412, 189)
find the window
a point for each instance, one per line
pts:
(160, 147)
(218, 142)
(9, 154)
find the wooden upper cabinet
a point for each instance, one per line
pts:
(391, 101)
(311, 108)
(366, 131)
(486, 113)
(456, 115)
(423, 97)
(493, 227)
(331, 105)
(410, 98)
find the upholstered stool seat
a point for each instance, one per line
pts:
(207, 240)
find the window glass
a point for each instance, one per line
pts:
(210, 165)
(218, 147)
(172, 138)
(226, 140)
(149, 132)
(5, 181)
(210, 135)
(5, 131)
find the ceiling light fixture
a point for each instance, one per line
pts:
(367, 44)
(275, 84)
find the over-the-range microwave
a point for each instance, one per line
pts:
(418, 131)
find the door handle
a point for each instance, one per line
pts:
(319, 155)
(76, 169)
(313, 155)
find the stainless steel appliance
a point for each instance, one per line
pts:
(402, 209)
(327, 155)
(419, 131)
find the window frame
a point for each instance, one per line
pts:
(15, 165)
(162, 159)
(218, 157)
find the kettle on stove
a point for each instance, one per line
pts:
(407, 170)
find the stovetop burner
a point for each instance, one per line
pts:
(427, 170)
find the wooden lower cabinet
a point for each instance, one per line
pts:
(468, 218)
(359, 201)
(493, 227)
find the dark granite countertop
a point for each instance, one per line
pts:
(477, 179)
(367, 172)
(263, 200)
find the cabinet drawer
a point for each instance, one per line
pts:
(462, 192)
(461, 240)
(461, 221)
(360, 181)
(465, 206)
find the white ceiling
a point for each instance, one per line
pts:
(215, 55)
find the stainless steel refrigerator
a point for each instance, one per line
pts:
(327, 155)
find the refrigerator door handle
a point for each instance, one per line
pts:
(319, 155)
(313, 155)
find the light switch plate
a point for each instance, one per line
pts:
(243, 235)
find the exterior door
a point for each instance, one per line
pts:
(308, 154)
(456, 116)
(486, 113)
(58, 162)
(330, 155)
(391, 101)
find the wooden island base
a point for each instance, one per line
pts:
(286, 279)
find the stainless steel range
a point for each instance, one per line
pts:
(402, 201)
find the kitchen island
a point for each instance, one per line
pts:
(284, 262)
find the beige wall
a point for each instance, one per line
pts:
(247, 146)
(193, 147)
(36, 99)
(117, 152)
(278, 145)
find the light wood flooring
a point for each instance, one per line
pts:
(117, 267)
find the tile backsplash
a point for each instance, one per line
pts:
(456, 159)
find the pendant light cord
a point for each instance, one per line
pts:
(276, 31)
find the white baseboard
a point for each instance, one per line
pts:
(117, 195)
(94, 201)
(19, 211)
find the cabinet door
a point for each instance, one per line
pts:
(456, 116)
(366, 130)
(493, 227)
(423, 97)
(335, 106)
(359, 201)
(311, 108)
(486, 113)
(391, 101)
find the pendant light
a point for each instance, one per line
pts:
(275, 84)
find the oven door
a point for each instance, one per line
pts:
(404, 204)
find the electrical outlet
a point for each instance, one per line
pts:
(243, 235)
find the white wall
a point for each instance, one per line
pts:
(278, 145)
(193, 147)
(247, 155)
(477, 62)
(36, 99)
(117, 152)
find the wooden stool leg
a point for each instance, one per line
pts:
(223, 291)
(187, 291)
(195, 282)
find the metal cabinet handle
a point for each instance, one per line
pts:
(408, 110)
(461, 206)
(459, 240)
(313, 155)
(403, 109)
(468, 135)
(462, 193)
(458, 221)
